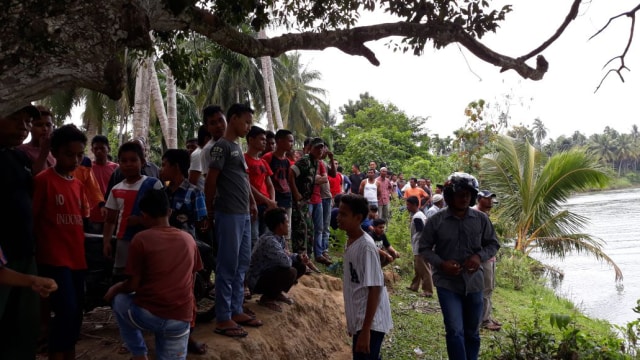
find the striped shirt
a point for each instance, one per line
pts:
(361, 269)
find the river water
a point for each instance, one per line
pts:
(615, 218)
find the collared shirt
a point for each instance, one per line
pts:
(385, 186)
(447, 237)
(187, 206)
(269, 253)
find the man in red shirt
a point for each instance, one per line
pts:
(158, 295)
(260, 178)
(102, 169)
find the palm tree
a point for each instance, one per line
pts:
(539, 131)
(625, 150)
(300, 102)
(602, 146)
(533, 188)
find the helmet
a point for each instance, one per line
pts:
(458, 181)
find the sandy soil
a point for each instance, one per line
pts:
(312, 328)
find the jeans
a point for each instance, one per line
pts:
(318, 227)
(461, 314)
(171, 335)
(326, 221)
(234, 254)
(375, 343)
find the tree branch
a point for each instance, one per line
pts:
(631, 14)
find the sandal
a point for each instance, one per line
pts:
(285, 299)
(248, 311)
(233, 332)
(195, 347)
(122, 350)
(270, 304)
(251, 321)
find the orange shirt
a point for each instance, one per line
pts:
(416, 191)
(59, 204)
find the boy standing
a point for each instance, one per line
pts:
(158, 295)
(366, 300)
(59, 206)
(259, 179)
(227, 182)
(422, 270)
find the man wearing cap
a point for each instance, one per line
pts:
(19, 307)
(485, 203)
(302, 179)
(438, 203)
(385, 193)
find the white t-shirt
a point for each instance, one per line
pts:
(415, 235)
(205, 157)
(196, 161)
(361, 269)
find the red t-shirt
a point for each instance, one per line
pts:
(335, 184)
(102, 173)
(258, 170)
(316, 198)
(166, 259)
(123, 198)
(59, 204)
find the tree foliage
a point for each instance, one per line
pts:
(532, 190)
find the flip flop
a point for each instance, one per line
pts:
(195, 347)
(252, 322)
(272, 305)
(122, 350)
(233, 332)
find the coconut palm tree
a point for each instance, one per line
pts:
(603, 147)
(533, 188)
(539, 131)
(300, 102)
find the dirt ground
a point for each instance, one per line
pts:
(312, 328)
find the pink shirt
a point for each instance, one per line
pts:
(385, 187)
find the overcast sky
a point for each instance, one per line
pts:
(439, 84)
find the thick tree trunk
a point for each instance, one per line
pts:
(172, 112)
(158, 102)
(140, 122)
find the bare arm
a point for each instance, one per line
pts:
(373, 298)
(194, 176)
(292, 185)
(41, 285)
(107, 232)
(210, 188)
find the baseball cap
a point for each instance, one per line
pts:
(486, 194)
(29, 109)
(316, 142)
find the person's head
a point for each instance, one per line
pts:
(355, 168)
(379, 226)
(277, 221)
(413, 204)
(306, 145)
(339, 169)
(383, 172)
(213, 118)
(485, 200)
(401, 176)
(15, 127)
(439, 188)
(271, 141)
(191, 145)
(316, 148)
(175, 165)
(100, 148)
(428, 182)
(336, 200)
(460, 191)
(371, 174)
(203, 136)
(372, 165)
(131, 159)
(373, 212)
(394, 177)
(438, 200)
(42, 127)
(413, 182)
(239, 119)
(155, 207)
(352, 212)
(67, 146)
(421, 182)
(297, 155)
(257, 139)
(284, 140)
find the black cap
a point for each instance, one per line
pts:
(317, 141)
(486, 194)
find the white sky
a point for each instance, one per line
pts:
(439, 84)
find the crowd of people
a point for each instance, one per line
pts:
(265, 212)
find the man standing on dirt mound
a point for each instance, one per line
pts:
(456, 241)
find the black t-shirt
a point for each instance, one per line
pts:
(380, 241)
(355, 182)
(16, 217)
